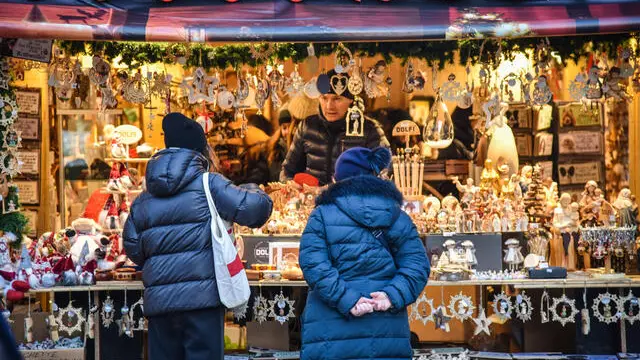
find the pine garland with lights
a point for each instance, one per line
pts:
(440, 53)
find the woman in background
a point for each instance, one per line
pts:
(364, 262)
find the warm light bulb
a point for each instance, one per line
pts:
(438, 133)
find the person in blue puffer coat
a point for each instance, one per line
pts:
(364, 262)
(168, 234)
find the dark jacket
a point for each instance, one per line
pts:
(168, 231)
(8, 348)
(317, 143)
(343, 261)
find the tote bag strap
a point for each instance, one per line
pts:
(215, 224)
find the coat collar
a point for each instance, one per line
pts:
(365, 185)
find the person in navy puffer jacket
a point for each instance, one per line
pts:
(168, 234)
(364, 262)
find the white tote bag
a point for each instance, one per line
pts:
(233, 285)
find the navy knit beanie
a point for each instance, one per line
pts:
(182, 132)
(362, 161)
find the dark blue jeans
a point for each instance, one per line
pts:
(190, 335)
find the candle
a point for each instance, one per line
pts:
(421, 177)
(396, 173)
(415, 175)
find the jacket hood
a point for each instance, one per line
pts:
(172, 169)
(368, 200)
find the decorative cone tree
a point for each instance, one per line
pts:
(535, 199)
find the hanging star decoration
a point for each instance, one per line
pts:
(12, 138)
(564, 318)
(8, 110)
(74, 319)
(240, 312)
(420, 312)
(260, 309)
(482, 323)
(282, 302)
(633, 314)
(461, 307)
(442, 319)
(107, 312)
(607, 315)
(523, 306)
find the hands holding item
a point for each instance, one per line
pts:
(379, 302)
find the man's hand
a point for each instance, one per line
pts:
(381, 301)
(363, 306)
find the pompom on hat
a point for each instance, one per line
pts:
(362, 161)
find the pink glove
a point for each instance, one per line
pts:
(382, 302)
(362, 307)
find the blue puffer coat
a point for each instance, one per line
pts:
(342, 261)
(168, 231)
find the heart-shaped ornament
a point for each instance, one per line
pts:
(339, 84)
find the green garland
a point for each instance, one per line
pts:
(440, 53)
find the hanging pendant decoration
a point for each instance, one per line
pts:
(482, 323)
(240, 312)
(160, 84)
(524, 308)
(74, 319)
(275, 74)
(226, 99)
(355, 85)
(8, 110)
(108, 310)
(63, 75)
(545, 308)
(461, 307)
(12, 138)
(200, 87)
(100, 71)
(629, 306)
(438, 133)
(355, 118)
(52, 327)
(28, 324)
(285, 308)
(344, 60)
(584, 314)
(509, 83)
(422, 310)
(262, 55)
(338, 83)
(465, 100)
(375, 82)
(124, 323)
(9, 164)
(594, 85)
(608, 314)
(567, 313)
(542, 95)
(578, 87)
(262, 93)
(502, 306)
(450, 90)
(408, 85)
(135, 89)
(294, 84)
(442, 319)
(91, 318)
(260, 309)
(140, 324)
(5, 76)
(626, 69)
(178, 53)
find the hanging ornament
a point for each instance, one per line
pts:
(523, 306)
(626, 70)
(584, 314)
(275, 74)
(344, 60)
(339, 83)
(136, 89)
(578, 87)
(140, 324)
(442, 319)
(52, 327)
(568, 310)
(240, 312)
(108, 98)
(294, 84)
(160, 84)
(461, 307)
(408, 85)
(545, 308)
(465, 100)
(422, 310)
(63, 75)
(355, 118)
(509, 83)
(12, 139)
(450, 90)
(502, 306)
(261, 55)
(355, 85)
(124, 323)
(542, 95)
(482, 323)
(178, 53)
(262, 93)
(374, 83)
(608, 315)
(28, 325)
(594, 85)
(8, 110)
(629, 306)
(9, 164)
(100, 71)
(311, 89)
(285, 309)
(91, 318)
(225, 99)
(74, 319)
(260, 309)
(438, 133)
(200, 87)
(5, 76)
(108, 310)
(244, 90)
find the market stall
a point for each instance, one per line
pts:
(513, 155)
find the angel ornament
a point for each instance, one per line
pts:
(513, 255)
(541, 92)
(502, 146)
(594, 86)
(450, 90)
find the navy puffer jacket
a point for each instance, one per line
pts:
(342, 261)
(168, 231)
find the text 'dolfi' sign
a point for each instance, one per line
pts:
(406, 128)
(129, 134)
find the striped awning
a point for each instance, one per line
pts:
(311, 20)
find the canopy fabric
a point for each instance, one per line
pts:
(311, 20)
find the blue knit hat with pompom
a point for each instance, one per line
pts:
(362, 161)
